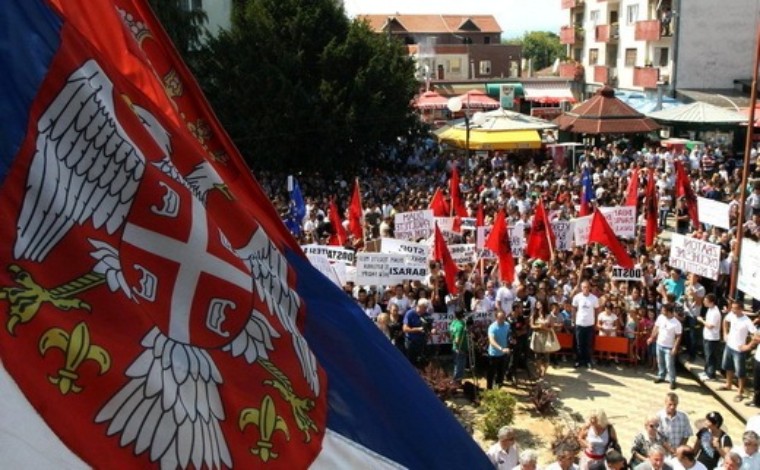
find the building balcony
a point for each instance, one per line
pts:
(648, 30)
(568, 4)
(601, 74)
(570, 35)
(646, 77)
(607, 33)
(571, 70)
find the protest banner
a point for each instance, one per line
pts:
(468, 223)
(384, 269)
(620, 273)
(563, 232)
(462, 253)
(446, 224)
(441, 322)
(413, 252)
(694, 256)
(713, 212)
(324, 266)
(516, 241)
(413, 225)
(622, 220)
(333, 253)
(749, 268)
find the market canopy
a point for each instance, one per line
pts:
(548, 92)
(605, 114)
(699, 113)
(502, 119)
(430, 100)
(480, 139)
(478, 99)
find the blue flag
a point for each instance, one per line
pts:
(156, 312)
(587, 192)
(296, 210)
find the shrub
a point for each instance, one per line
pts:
(439, 381)
(543, 397)
(498, 409)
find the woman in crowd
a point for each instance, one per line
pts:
(644, 440)
(595, 437)
(543, 340)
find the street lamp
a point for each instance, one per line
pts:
(455, 105)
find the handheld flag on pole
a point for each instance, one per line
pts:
(356, 213)
(541, 238)
(196, 334)
(651, 209)
(480, 218)
(602, 233)
(339, 235)
(457, 204)
(296, 210)
(587, 192)
(441, 253)
(684, 190)
(498, 242)
(438, 204)
(632, 192)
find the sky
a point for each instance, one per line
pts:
(514, 16)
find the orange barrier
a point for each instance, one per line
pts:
(603, 345)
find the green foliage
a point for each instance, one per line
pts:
(543, 47)
(185, 28)
(498, 409)
(300, 87)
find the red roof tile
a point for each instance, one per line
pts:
(434, 23)
(605, 114)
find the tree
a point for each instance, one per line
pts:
(299, 87)
(186, 28)
(543, 47)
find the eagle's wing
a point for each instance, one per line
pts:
(171, 406)
(270, 274)
(85, 167)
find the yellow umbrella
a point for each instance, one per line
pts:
(490, 140)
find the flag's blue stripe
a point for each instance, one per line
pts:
(375, 397)
(29, 38)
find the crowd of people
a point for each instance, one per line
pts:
(665, 313)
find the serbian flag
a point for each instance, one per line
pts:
(438, 204)
(651, 209)
(339, 236)
(587, 192)
(157, 312)
(602, 233)
(441, 253)
(498, 242)
(457, 203)
(632, 192)
(684, 189)
(356, 213)
(541, 238)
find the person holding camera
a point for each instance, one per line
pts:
(498, 350)
(416, 328)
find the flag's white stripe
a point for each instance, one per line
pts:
(25, 440)
(339, 452)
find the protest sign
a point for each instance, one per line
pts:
(384, 269)
(413, 252)
(446, 224)
(333, 253)
(468, 223)
(713, 212)
(516, 241)
(620, 273)
(413, 225)
(694, 256)
(749, 269)
(622, 220)
(563, 231)
(462, 253)
(324, 266)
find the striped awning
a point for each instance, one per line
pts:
(549, 92)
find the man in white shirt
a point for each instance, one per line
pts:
(737, 327)
(504, 454)
(505, 297)
(710, 336)
(693, 300)
(585, 307)
(748, 451)
(565, 459)
(686, 459)
(667, 334)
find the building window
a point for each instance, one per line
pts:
(661, 56)
(487, 40)
(593, 16)
(593, 56)
(485, 67)
(454, 66)
(632, 14)
(630, 57)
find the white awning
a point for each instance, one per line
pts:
(551, 92)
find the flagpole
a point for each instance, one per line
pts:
(745, 170)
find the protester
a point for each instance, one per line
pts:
(504, 454)
(667, 335)
(646, 439)
(737, 328)
(595, 438)
(655, 460)
(749, 451)
(498, 350)
(712, 443)
(674, 423)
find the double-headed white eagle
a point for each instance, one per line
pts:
(87, 169)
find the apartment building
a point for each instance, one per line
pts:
(679, 44)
